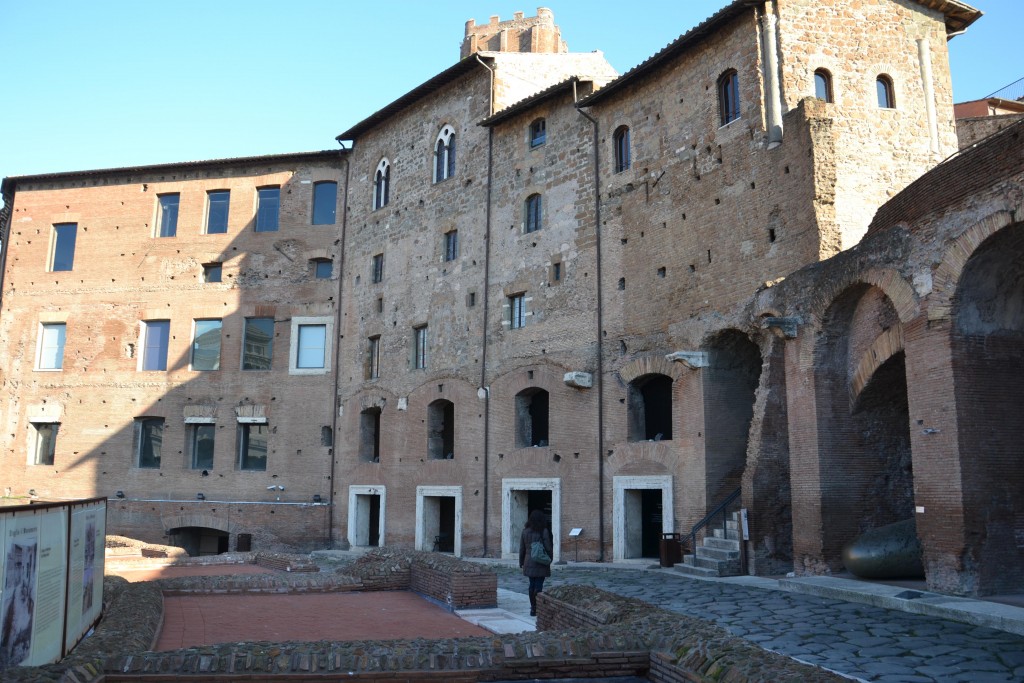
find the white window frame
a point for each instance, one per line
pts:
(517, 310)
(144, 330)
(444, 155)
(382, 184)
(420, 340)
(293, 351)
(35, 440)
(40, 339)
(374, 352)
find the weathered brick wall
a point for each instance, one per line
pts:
(972, 130)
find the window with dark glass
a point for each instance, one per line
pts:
(419, 340)
(517, 311)
(268, 209)
(532, 210)
(451, 245)
(206, 345)
(201, 439)
(212, 272)
(620, 141)
(253, 441)
(258, 344)
(538, 133)
(149, 437)
(373, 357)
(45, 442)
(167, 220)
(217, 203)
(382, 184)
(325, 203)
(823, 85)
(323, 269)
(377, 268)
(886, 97)
(729, 97)
(156, 336)
(63, 257)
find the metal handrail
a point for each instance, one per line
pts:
(722, 509)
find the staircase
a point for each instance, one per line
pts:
(719, 554)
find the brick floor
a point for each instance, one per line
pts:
(208, 619)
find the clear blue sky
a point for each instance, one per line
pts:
(90, 85)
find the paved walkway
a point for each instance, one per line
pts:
(858, 640)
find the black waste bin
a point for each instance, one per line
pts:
(670, 550)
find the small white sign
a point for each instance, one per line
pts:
(576, 531)
(743, 521)
(920, 509)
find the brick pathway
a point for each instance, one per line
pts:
(208, 619)
(865, 642)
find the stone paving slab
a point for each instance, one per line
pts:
(510, 616)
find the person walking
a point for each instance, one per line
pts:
(535, 551)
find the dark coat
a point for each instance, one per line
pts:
(531, 568)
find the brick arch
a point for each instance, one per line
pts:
(545, 376)
(198, 520)
(946, 277)
(887, 345)
(641, 457)
(900, 293)
(650, 365)
(374, 398)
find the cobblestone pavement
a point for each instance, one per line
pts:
(862, 641)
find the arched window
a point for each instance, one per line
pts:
(823, 85)
(650, 408)
(729, 96)
(382, 184)
(532, 214)
(531, 418)
(441, 430)
(886, 98)
(444, 154)
(620, 141)
(538, 133)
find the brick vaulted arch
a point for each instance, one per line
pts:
(885, 346)
(900, 293)
(650, 365)
(198, 520)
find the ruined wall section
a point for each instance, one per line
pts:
(517, 76)
(881, 150)
(537, 34)
(122, 274)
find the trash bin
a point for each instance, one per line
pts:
(670, 550)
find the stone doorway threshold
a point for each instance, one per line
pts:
(512, 615)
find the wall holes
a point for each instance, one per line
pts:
(771, 234)
(661, 271)
(622, 283)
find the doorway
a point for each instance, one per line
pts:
(519, 498)
(642, 509)
(439, 519)
(366, 506)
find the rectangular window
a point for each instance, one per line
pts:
(63, 256)
(532, 211)
(325, 203)
(420, 347)
(312, 346)
(51, 346)
(149, 437)
(206, 345)
(517, 310)
(217, 211)
(167, 218)
(45, 442)
(258, 345)
(268, 209)
(212, 272)
(451, 245)
(377, 268)
(155, 337)
(373, 367)
(556, 272)
(323, 270)
(201, 445)
(252, 446)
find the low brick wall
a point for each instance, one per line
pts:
(455, 582)
(286, 563)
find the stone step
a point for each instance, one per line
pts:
(726, 534)
(732, 524)
(721, 543)
(706, 567)
(718, 554)
(690, 570)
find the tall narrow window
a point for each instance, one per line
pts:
(258, 344)
(620, 141)
(206, 345)
(886, 97)
(312, 347)
(538, 133)
(729, 97)
(253, 441)
(419, 347)
(149, 438)
(823, 85)
(369, 435)
(51, 346)
(532, 210)
(201, 438)
(441, 430)
(167, 218)
(268, 209)
(382, 184)
(325, 203)
(377, 268)
(155, 337)
(531, 418)
(444, 154)
(45, 442)
(517, 311)
(373, 357)
(63, 256)
(451, 245)
(217, 203)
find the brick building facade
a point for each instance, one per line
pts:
(615, 298)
